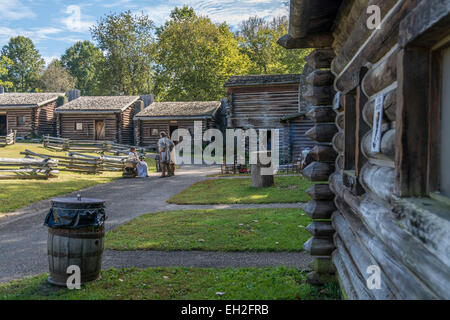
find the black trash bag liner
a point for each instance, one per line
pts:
(67, 217)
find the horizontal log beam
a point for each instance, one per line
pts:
(387, 155)
(320, 58)
(381, 75)
(320, 78)
(318, 171)
(389, 104)
(323, 153)
(372, 51)
(319, 246)
(398, 277)
(378, 181)
(320, 192)
(321, 229)
(320, 96)
(322, 114)
(322, 132)
(339, 142)
(360, 256)
(320, 209)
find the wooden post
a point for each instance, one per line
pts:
(262, 179)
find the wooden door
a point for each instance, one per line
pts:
(3, 125)
(100, 130)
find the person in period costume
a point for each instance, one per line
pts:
(166, 147)
(141, 165)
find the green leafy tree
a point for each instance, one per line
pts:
(5, 62)
(128, 42)
(195, 57)
(27, 63)
(258, 40)
(86, 63)
(56, 78)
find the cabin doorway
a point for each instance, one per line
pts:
(3, 125)
(100, 130)
(172, 129)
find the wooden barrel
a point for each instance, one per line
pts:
(81, 246)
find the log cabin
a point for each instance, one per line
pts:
(382, 212)
(271, 102)
(107, 118)
(28, 113)
(170, 116)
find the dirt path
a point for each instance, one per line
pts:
(23, 238)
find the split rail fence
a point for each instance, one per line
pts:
(88, 146)
(9, 139)
(82, 163)
(11, 168)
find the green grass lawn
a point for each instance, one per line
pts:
(240, 190)
(15, 194)
(214, 230)
(178, 284)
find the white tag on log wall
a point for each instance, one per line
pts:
(337, 101)
(377, 124)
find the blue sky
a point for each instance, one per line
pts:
(55, 25)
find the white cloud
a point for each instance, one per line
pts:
(49, 59)
(14, 10)
(35, 34)
(76, 22)
(231, 11)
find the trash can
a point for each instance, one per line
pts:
(76, 230)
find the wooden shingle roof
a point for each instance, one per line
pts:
(28, 99)
(261, 80)
(102, 104)
(180, 109)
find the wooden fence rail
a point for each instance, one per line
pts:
(9, 139)
(82, 163)
(11, 168)
(88, 146)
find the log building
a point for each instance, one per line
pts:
(170, 116)
(99, 118)
(382, 95)
(28, 113)
(271, 102)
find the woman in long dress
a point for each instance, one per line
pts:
(142, 167)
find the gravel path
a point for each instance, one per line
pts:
(202, 259)
(23, 238)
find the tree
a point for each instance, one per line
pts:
(258, 40)
(85, 63)
(128, 42)
(5, 62)
(27, 63)
(195, 57)
(56, 78)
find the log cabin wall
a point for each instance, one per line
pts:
(368, 230)
(146, 127)
(12, 118)
(263, 107)
(386, 224)
(127, 123)
(68, 122)
(44, 119)
(36, 120)
(295, 138)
